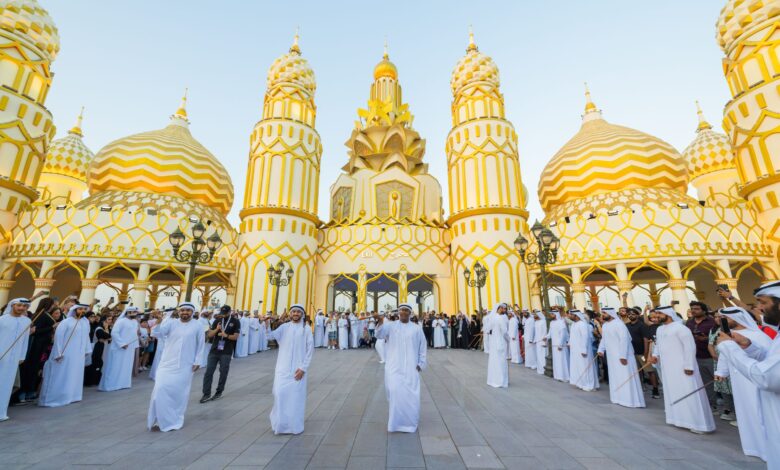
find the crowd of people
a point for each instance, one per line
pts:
(722, 363)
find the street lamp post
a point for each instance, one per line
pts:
(278, 277)
(477, 279)
(547, 253)
(201, 252)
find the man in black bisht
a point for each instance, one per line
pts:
(223, 334)
(427, 327)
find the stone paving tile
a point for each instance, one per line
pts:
(536, 423)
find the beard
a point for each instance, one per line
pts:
(772, 316)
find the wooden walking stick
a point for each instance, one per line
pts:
(24, 332)
(647, 364)
(62, 354)
(595, 358)
(693, 392)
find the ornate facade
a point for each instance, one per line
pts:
(615, 196)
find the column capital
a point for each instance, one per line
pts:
(6, 284)
(230, 290)
(677, 283)
(578, 287)
(624, 286)
(140, 284)
(90, 283)
(536, 291)
(730, 282)
(43, 283)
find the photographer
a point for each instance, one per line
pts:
(223, 334)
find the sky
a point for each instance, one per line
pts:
(646, 62)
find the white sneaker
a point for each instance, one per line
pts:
(734, 423)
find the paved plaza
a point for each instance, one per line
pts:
(536, 423)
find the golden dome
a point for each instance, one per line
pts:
(69, 155)
(292, 69)
(604, 157)
(166, 161)
(741, 17)
(474, 67)
(709, 151)
(26, 18)
(385, 68)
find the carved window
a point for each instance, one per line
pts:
(394, 199)
(340, 206)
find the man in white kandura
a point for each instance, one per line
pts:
(763, 372)
(380, 343)
(625, 389)
(528, 340)
(497, 328)
(319, 330)
(204, 320)
(63, 373)
(118, 370)
(514, 339)
(15, 332)
(747, 401)
(675, 352)
(405, 353)
(540, 341)
(559, 342)
(166, 316)
(296, 346)
(583, 373)
(485, 332)
(184, 344)
(343, 325)
(354, 333)
(242, 345)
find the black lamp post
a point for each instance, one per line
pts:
(279, 277)
(201, 252)
(477, 279)
(547, 253)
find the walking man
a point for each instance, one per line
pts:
(224, 332)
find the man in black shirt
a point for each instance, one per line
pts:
(641, 335)
(223, 334)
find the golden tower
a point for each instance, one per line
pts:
(749, 34)
(487, 204)
(29, 42)
(64, 175)
(279, 218)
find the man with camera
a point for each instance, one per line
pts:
(223, 334)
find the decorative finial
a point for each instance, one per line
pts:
(386, 54)
(294, 48)
(182, 111)
(703, 124)
(77, 128)
(589, 106)
(472, 44)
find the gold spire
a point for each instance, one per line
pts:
(385, 68)
(294, 49)
(386, 55)
(589, 105)
(472, 44)
(703, 124)
(77, 128)
(182, 111)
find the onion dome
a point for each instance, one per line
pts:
(167, 161)
(709, 151)
(385, 68)
(293, 69)
(740, 18)
(27, 19)
(604, 158)
(474, 67)
(69, 155)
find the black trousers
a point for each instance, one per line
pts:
(211, 366)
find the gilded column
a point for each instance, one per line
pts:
(726, 277)
(89, 283)
(403, 285)
(140, 286)
(279, 218)
(749, 34)
(487, 204)
(44, 282)
(624, 284)
(678, 285)
(578, 288)
(362, 289)
(29, 43)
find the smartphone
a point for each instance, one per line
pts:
(723, 287)
(675, 302)
(724, 326)
(124, 302)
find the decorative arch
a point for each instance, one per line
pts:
(597, 267)
(650, 264)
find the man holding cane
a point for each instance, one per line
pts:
(14, 333)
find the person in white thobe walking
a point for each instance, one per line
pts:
(15, 331)
(559, 344)
(625, 388)
(118, 370)
(343, 325)
(184, 344)
(528, 340)
(438, 333)
(497, 328)
(254, 334)
(63, 373)
(763, 372)
(319, 330)
(296, 345)
(242, 345)
(540, 341)
(160, 344)
(514, 339)
(747, 400)
(405, 351)
(583, 372)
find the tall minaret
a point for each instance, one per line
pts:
(279, 218)
(749, 34)
(29, 42)
(487, 205)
